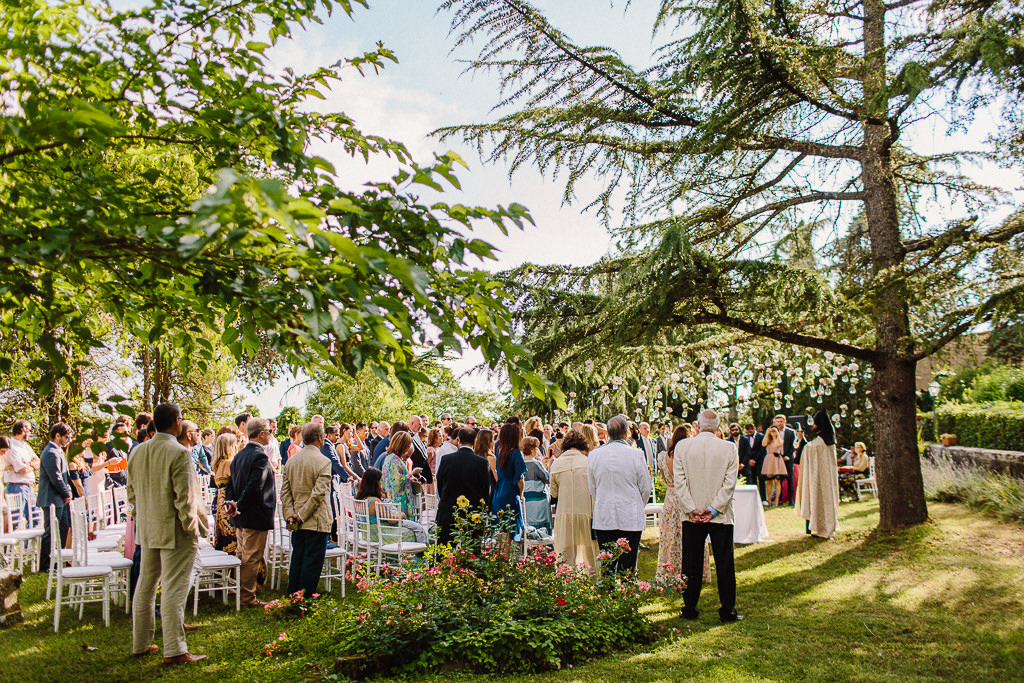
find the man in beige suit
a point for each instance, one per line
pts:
(705, 469)
(306, 502)
(164, 493)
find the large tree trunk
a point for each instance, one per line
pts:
(898, 467)
(897, 464)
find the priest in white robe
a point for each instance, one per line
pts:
(817, 497)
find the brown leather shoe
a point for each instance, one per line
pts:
(190, 627)
(186, 658)
(148, 651)
(255, 603)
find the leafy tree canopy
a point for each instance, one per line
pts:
(757, 125)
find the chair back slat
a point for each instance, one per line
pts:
(14, 519)
(79, 538)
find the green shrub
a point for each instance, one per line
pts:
(926, 427)
(1001, 384)
(482, 607)
(954, 386)
(994, 492)
(998, 425)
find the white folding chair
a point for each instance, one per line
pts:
(279, 549)
(389, 532)
(81, 554)
(365, 531)
(527, 541)
(868, 484)
(216, 571)
(335, 563)
(103, 540)
(27, 530)
(429, 507)
(85, 583)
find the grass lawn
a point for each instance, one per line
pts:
(943, 601)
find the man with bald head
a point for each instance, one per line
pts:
(705, 470)
(419, 452)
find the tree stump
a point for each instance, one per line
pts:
(10, 608)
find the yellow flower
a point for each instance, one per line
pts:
(475, 518)
(462, 502)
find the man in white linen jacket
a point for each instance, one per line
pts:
(620, 487)
(705, 469)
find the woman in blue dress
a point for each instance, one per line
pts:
(511, 469)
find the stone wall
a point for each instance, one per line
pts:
(1008, 462)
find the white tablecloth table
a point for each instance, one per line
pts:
(749, 516)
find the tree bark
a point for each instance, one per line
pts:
(897, 465)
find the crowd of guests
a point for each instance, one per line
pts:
(583, 486)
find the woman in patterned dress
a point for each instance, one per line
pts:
(224, 449)
(670, 546)
(398, 480)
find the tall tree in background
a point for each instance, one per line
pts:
(155, 169)
(754, 116)
(367, 397)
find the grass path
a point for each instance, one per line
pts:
(942, 601)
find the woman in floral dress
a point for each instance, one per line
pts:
(398, 480)
(670, 547)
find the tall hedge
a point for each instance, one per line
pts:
(926, 425)
(998, 425)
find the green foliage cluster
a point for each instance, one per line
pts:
(365, 396)
(998, 425)
(994, 492)
(482, 608)
(155, 175)
(289, 415)
(1004, 383)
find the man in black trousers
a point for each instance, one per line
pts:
(462, 473)
(251, 502)
(749, 463)
(705, 469)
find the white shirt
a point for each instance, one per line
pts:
(18, 457)
(273, 453)
(445, 448)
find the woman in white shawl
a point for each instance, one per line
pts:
(817, 496)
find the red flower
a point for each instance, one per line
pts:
(561, 602)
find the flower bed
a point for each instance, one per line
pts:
(483, 607)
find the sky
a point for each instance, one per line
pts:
(427, 89)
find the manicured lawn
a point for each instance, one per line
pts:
(944, 601)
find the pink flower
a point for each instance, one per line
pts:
(282, 636)
(316, 595)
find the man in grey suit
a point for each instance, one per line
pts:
(54, 489)
(705, 469)
(163, 490)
